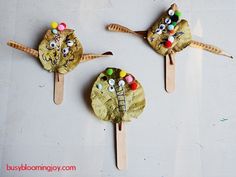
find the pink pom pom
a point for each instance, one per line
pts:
(129, 79)
(61, 27)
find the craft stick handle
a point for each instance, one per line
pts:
(121, 158)
(88, 57)
(169, 73)
(209, 48)
(23, 48)
(58, 88)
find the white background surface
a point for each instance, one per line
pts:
(178, 135)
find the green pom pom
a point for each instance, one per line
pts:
(174, 23)
(109, 71)
(178, 13)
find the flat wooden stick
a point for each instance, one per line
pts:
(121, 158)
(23, 48)
(88, 57)
(120, 28)
(209, 48)
(170, 73)
(58, 88)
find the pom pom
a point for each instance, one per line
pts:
(54, 25)
(168, 44)
(61, 27)
(109, 71)
(178, 13)
(129, 79)
(122, 73)
(171, 39)
(174, 23)
(174, 18)
(170, 27)
(172, 32)
(134, 86)
(54, 31)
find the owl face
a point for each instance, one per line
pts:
(60, 51)
(169, 33)
(117, 96)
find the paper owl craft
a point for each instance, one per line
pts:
(118, 97)
(60, 51)
(169, 35)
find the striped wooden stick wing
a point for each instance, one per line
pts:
(23, 48)
(88, 57)
(209, 48)
(120, 28)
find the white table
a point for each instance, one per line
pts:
(190, 133)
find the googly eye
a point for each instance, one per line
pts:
(65, 50)
(167, 21)
(158, 31)
(111, 89)
(171, 12)
(162, 26)
(111, 82)
(121, 83)
(99, 86)
(69, 43)
(52, 44)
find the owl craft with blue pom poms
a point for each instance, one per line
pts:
(168, 35)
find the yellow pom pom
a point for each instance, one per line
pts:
(54, 25)
(122, 73)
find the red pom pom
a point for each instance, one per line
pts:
(134, 86)
(168, 44)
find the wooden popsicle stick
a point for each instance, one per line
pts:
(170, 73)
(121, 158)
(58, 88)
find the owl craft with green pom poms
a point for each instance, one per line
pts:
(60, 51)
(168, 35)
(118, 97)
